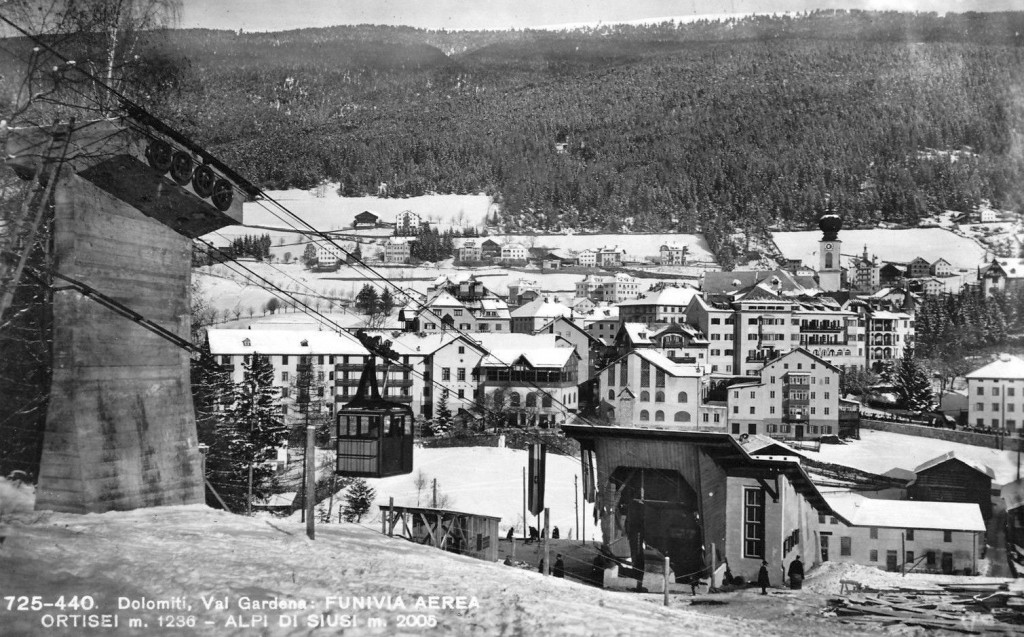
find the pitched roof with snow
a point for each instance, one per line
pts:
(1006, 366)
(269, 342)
(537, 350)
(669, 295)
(952, 455)
(907, 514)
(666, 364)
(722, 282)
(413, 344)
(540, 308)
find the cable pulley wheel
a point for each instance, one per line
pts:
(181, 168)
(159, 155)
(223, 193)
(202, 181)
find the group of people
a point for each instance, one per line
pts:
(534, 534)
(795, 573)
(558, 570)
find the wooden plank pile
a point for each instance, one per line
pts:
(971, 608)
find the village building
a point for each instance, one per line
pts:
(996, 395)
(528, 318)
(950, 478)
(442, 368)
(490, 249)
(672, 254)
(588, 347)
(644, 388)
(365, 220)
(895, 535)
(610, 256)
(796, 397)
(782, 281)
(665, 305)
(517, 292)
(1002, 274)
(532, 379)
(890, 275)
(608, 289)
(587, 258)
(830, 270)
(396, 250)
(462, 304)
(581, 305)
(468, 252)
(407, 223)
(603, 323)
(512, 252)
(866, 272)
(699, 498)
(328, 256)
(918, 268)
(334, 361)
(941, 267)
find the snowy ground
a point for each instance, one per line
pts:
(484, 480)
(887, 245)
(879, 451)
(190, 555)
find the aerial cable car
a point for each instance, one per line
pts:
(374, 434)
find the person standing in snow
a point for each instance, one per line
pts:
(559, 569)
(511, 530)
(554, 533)
(796, 574)
(762, 578)
(540, 567)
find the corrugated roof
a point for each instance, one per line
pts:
(1006, 366)
(907, 514)
(269, 342)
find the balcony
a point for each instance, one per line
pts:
(797, 418)
(822, 327)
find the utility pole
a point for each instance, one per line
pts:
(434, 505)
(310, 481)
(525, 532)
(248, 499)
(576, 500)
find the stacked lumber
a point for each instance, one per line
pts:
(983, 608)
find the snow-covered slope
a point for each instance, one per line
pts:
(184, 555)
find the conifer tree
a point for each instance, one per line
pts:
(358, 500)
(913, 387)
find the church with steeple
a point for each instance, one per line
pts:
(830, 271)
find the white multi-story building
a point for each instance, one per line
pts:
(644, 388)
(396, 250)
(587, 258)
(463, 305)
(528, 318)
(608, 289)
(672, 254)
(441, 362)
(666, 305)
(796, 396)
(335, 361)
(996, 395)
(328, 256)
(513, 252)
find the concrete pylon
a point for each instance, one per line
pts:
(120, 429)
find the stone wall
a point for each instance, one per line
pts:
(950, 435)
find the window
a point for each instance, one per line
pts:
(873, 555)
(284, 410)
(995, 391)
(751, 428)
(611, 394)
(284, 375)
(981, 391)
(611, 375)
(753, 523)
(682, 397)
(771, 394)
(461, 375)
(659, 397)
(846, 546)
(284, 392)
(874, 533)
(659, 416)
(930, 558)
(645, 415)
(910, 557)
(947, 536)
(821, 518)
(531, 400)
(659, 378)
(462, 349)
(682, 416)
(513, 399)
(645, 396)
(736, 428)
(752, 408)
(910, 535)
(735, 409)
(645, 374)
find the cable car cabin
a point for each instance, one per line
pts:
(374, 434)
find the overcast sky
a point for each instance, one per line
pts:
(279, 15)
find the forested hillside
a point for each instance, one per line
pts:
(701, 127)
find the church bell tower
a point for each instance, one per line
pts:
(829, 270)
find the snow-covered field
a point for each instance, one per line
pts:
(638, 245)
(879, 451)
(325, 210)
(488, 481)
(898, 246)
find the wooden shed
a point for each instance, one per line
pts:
(949, 478)
(469, 534)
(684, 492)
